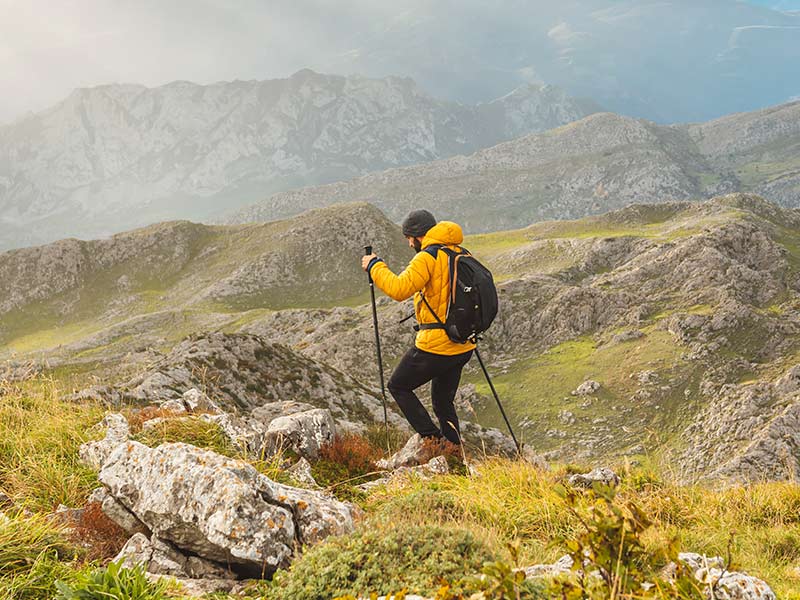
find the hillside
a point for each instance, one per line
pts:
(684, 314)
(115, 157)
(600, 163)
(203, 402)
(155, 285)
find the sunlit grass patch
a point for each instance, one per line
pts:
(40, 434)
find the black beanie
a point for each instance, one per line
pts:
(417, 223)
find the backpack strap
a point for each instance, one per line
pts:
(433, 250)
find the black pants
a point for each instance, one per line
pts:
(417, 368)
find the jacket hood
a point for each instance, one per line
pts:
(444, 232)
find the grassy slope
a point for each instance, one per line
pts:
(156, 285)
(535, 386)
(535, 390)
(509, 502)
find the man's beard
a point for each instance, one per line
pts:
(417, 245)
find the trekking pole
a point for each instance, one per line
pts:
(367, 252)
(497, 398)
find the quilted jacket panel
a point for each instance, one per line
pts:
(430, 276)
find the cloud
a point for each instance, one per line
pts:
(91, 42)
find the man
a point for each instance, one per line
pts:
(435, 357)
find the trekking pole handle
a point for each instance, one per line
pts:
(367, 252)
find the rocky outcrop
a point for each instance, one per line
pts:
(242, 373)
(217, 508)
(746, 432)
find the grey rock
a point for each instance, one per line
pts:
(711, 573)
(411, 454)
(304, 432)
(65, 516)
(301, 472)
(602, 475)
(532, 457)
(561, 566)
(217, 508)
(161, 558)
(587, 388)
(245, 433)
(627, 336)
(734, 586)
(173, 406)
(266, 413)
(487, 440)
(200, 588)
(196, 401)
(117, 431)
(435, 466)
(117, 512)
(697, 561)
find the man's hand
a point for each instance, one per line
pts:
(365, 260)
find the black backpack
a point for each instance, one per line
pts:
(472, 305)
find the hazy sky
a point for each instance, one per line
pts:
(48, 48)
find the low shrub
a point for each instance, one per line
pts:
(344, 463)
(382, 559)
(102, 538)
(356, 454)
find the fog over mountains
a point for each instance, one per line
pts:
(114, 157)
(668, 61)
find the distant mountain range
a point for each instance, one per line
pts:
(599, 163)
(114, 157)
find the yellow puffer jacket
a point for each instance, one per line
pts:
(430, 276)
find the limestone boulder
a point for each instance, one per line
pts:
(602, 475)
(218, 508)
(162, 558)
(117, 432)
(304, 432)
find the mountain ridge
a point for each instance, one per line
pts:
(113, 157)
(599, 163)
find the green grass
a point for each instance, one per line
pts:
(508, 502)
(760, 172)
(538, 388)
(33, 555)
(39, 439)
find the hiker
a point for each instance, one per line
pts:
(434, 357)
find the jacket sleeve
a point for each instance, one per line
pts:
(413, 279)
